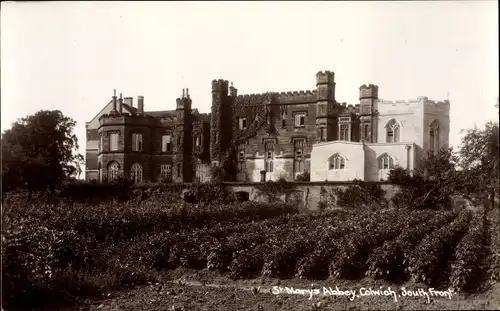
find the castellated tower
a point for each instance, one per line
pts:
(221, 120)
(368, 96)
(325, 119)
(185, 135)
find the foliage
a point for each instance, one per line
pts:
(480, 154)
(469, 253)
(387, 260)
(306, 176)
(273, 190)
(352, 255)
(430, 185)
(38, 153)
(425, 262)
(360, 195)
(494, 231)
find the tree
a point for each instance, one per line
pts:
(430, 184)
(38, 152)
(479, 154)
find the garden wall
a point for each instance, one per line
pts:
(306, 195)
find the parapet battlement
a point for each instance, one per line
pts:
(368, 91)
(419, 100)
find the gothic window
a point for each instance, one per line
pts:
(269, 155)
(113, 171)
(136, 142)
(298, 150)
(366, 131)
(322, 133)
(434, 136)
(344, 132)
(393, 131)
(113, 141)
(198, 141)
(136, 173)
(166, 172)
(385, 162)
(241, 158)
(336, 162)
(166, 144)
(101, 143)
(242, 123)
(300, 119)
(283, 119)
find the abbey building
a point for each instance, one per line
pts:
(265, 136)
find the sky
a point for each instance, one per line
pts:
(71, 55)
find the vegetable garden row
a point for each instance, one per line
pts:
(70, 249)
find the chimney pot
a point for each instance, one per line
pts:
(140, 104)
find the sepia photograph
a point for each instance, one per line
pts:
(250, 155)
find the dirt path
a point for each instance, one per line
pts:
(210, 291)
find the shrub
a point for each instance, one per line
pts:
(418, 193)
(425, 262)
(361, 195)
(469, 253)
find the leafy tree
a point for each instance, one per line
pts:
(479, 154)
(430, 184)
(37, 152)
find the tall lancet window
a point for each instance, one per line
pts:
(434, 137)
(393, 132)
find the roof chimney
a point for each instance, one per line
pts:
(114, 101)
(120, 104)
(140, 104)
(129, 101)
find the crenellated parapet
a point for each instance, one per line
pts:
(325, 77)
(350, 109)
(419, 100)
(122, 119)
(368, 91)
(290, 97)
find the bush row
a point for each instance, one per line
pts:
(494, 230)
(426, 262)
(469, 253)
(387, 260)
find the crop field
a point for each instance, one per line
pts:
(72, 252)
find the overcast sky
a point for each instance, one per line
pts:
(71, 55)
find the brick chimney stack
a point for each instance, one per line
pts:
(114, 101)
(129, 101)
(140, 104)
(120, 104)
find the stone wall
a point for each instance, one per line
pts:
(306, 195)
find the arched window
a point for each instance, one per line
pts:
(113, 171)
(385, 162)
(434, 136)
(101, 143)
(393, 131)
(366, 132)
(136, 173)
(337, 162)
(99, 172)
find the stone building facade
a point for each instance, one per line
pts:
(272, 135)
